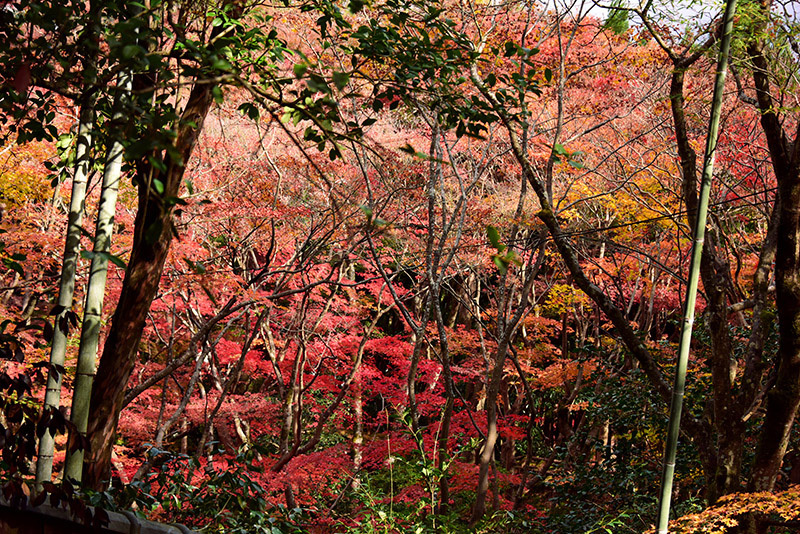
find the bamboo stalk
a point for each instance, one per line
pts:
(673, 428)
(58, 348)
(95, 291)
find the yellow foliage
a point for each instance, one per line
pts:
(23, 179)
(22, 188)
(725, 513)
(563, 298)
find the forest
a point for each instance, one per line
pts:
(400, 266)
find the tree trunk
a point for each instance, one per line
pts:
(784, 398)
(715, 273)
(152, 239)
(358, 431)
(487, 453)
(95, 293)
(58, 349)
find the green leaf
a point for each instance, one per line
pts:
(250, 110)
(317, 84)
(357, 5)
(408, 149)
(494, 236)
(548, 75)
(576, 164)
(116, 260)
(64, 141)
(221, 64)
(501, 265)
(131, 50)
(300, 69)
(158, 185)
(513, 257)
(14, 266)
(341, 79)
(174, 201)
(216, 92)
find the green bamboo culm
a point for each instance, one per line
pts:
(66, 290)
(95, 290)
(673, 429)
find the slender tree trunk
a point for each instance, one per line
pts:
(58, 349)
(715, 273)
(443, 437)
(487, 453)
(508, 319)
(358, 431)
(95, 293)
